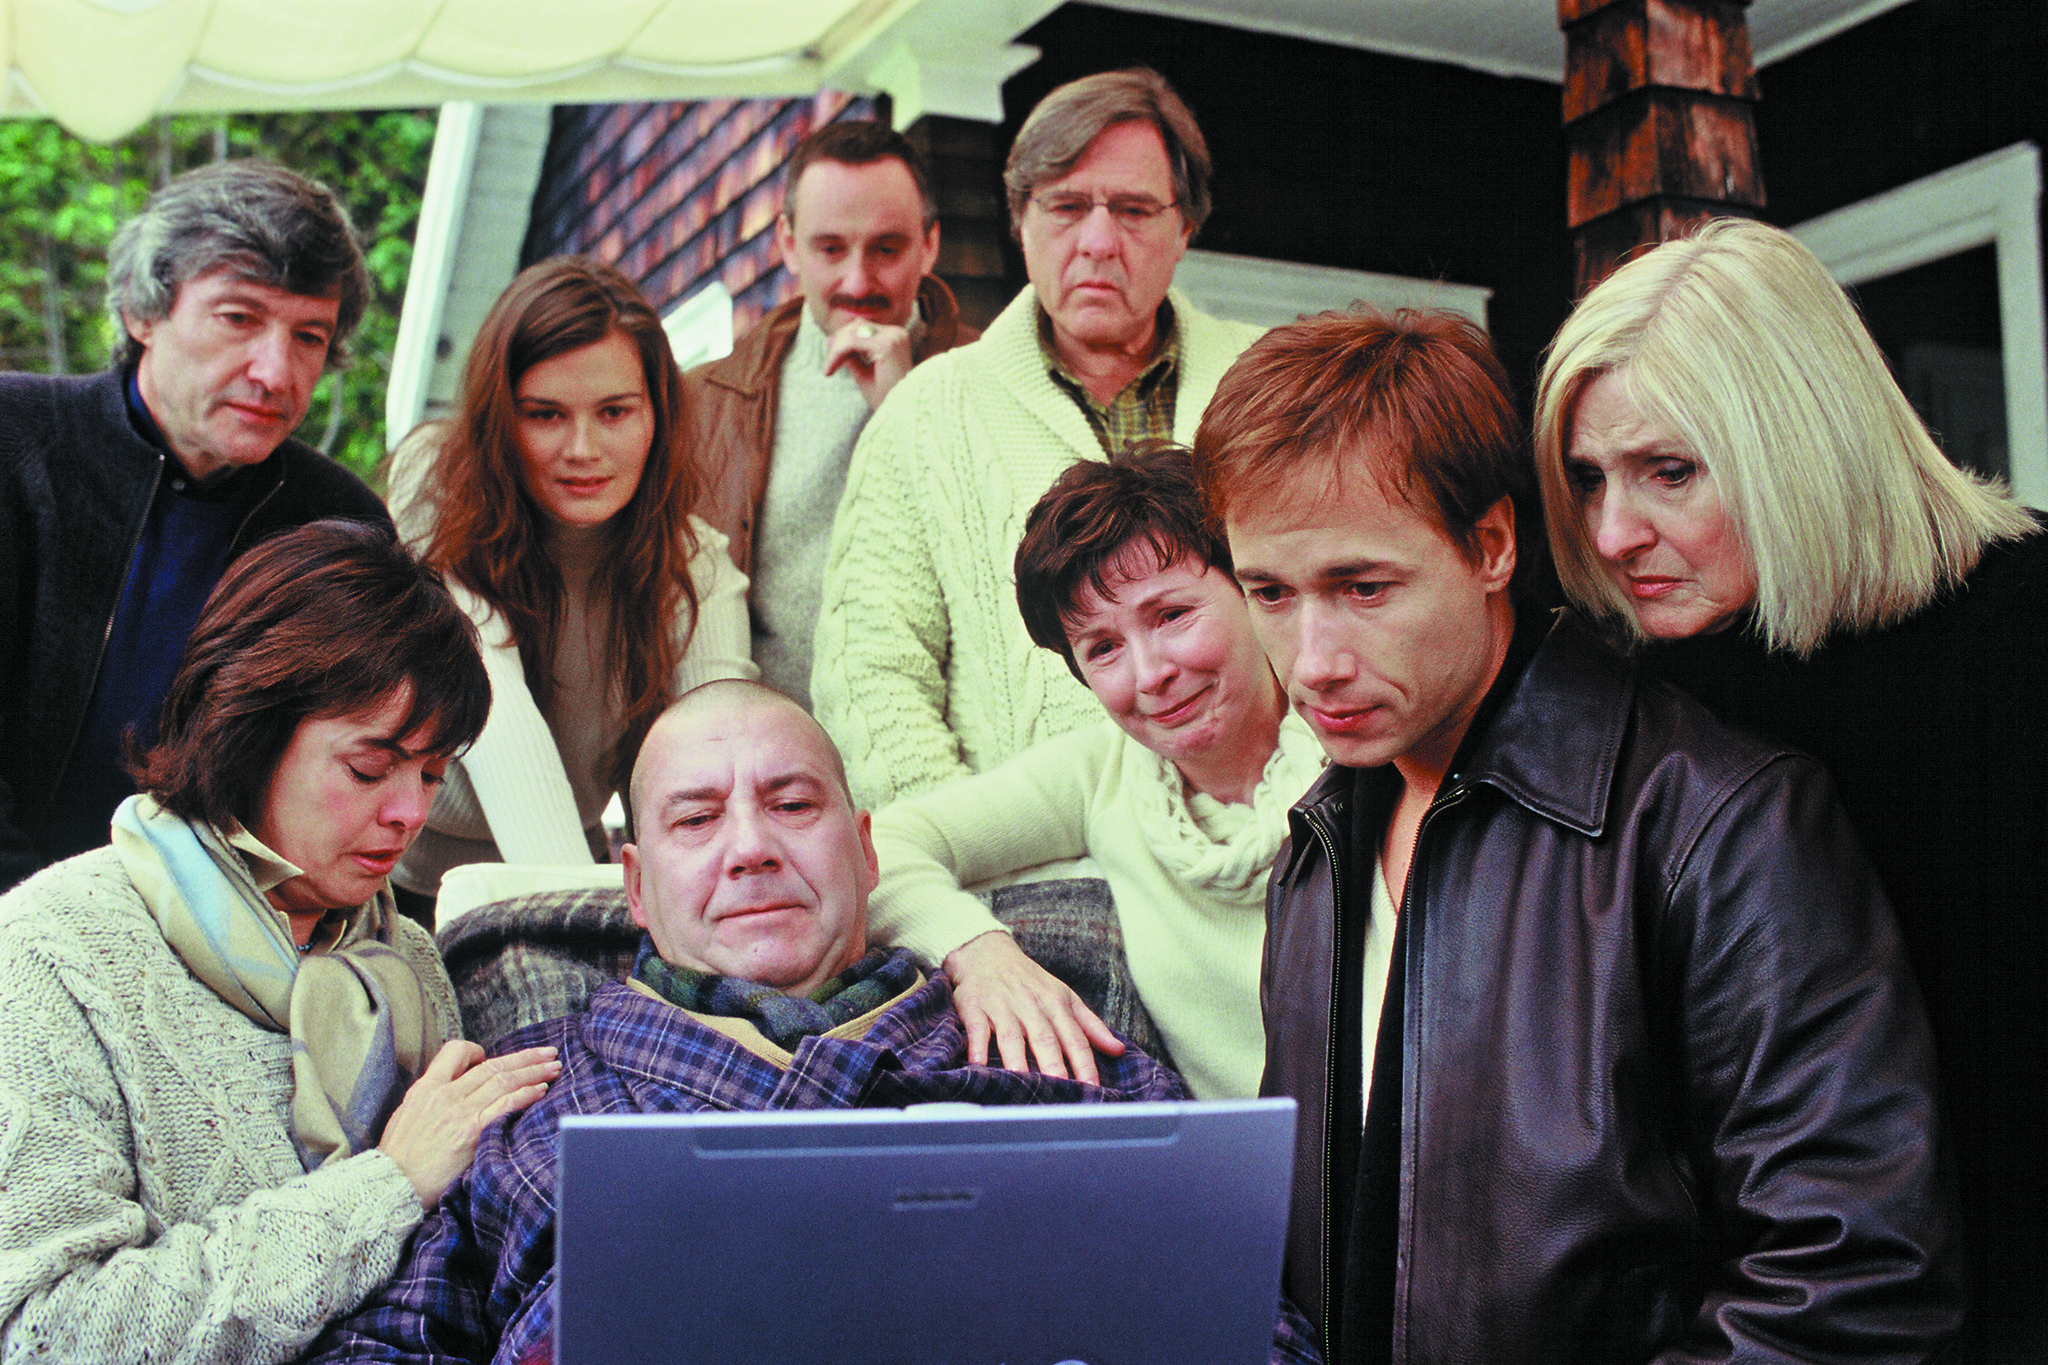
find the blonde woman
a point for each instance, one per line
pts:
(1731, 476)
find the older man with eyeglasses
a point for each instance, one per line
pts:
(923, 671)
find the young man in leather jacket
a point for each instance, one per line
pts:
(1595, 1011)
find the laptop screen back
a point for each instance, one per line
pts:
(942, 1235)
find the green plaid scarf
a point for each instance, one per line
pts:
(785, 1020)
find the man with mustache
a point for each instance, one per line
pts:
(774, 423)
(124, 495)
(923, 669)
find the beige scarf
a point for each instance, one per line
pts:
(362, 1023)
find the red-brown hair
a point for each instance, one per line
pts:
(330, 619)
(489, 532)
(1419, 395)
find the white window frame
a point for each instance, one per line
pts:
(700, 327)
(1991, 201)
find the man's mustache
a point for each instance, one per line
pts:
(850, 304)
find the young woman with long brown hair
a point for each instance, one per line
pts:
(558, 504)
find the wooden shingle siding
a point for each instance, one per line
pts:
(678, 195)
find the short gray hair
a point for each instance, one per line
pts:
(266, 223)
(1066, 123)
(1739, 341)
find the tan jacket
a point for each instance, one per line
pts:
(730, 409)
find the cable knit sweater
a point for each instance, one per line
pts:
(151, 1204)
(1188, 877)
(923, 671)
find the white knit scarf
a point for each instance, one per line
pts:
(1233, 866)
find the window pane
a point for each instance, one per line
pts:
(1937, 325)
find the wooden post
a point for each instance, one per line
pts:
(1660, 124)
(966, 158)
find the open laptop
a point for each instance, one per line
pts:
(1110, 1234)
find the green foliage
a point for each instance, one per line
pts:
(61, 200)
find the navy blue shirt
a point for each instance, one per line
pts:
(177, 560)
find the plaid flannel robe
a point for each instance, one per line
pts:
(477, 1280)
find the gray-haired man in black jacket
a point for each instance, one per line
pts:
(124, 495)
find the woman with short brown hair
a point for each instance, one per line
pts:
(1179, 795)
(226, 1070)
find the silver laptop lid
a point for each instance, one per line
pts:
(1112, 1234)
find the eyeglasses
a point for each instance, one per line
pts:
(1130, 212)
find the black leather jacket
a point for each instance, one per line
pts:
(1666, 1086)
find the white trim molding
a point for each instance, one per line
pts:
(1270, 293)
(1991, 201)
(946, 57)
(449, 168)
(1786, 27)
(966, 85)
(473, 214)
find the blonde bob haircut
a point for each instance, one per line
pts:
(1737, 340)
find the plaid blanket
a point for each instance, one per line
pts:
(534, 958)
(476, 1279)
(1069, 927)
